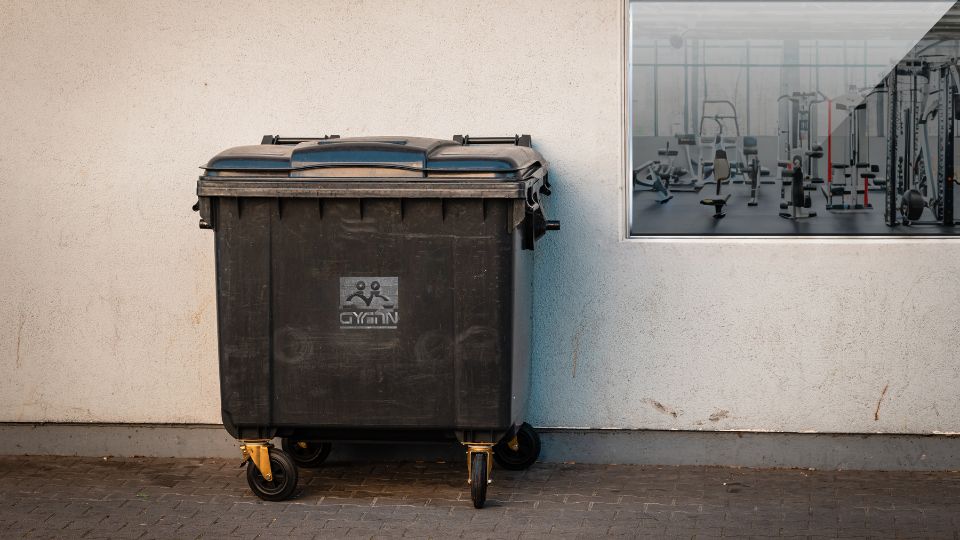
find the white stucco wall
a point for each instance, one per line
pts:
(106, 301)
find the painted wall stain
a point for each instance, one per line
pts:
(719, 415)
(660, 407)
(197, 316)
(23, 320)
(883, 393)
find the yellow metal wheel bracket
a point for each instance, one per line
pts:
(474, 448)
(258, 452)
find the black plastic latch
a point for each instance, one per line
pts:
(545, 188)
(516, 140)
(205, 208)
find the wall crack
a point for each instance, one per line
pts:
(883, 393)
(582, 328)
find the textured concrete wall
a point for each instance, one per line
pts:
(106, 302)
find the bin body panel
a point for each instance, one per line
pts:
(243, 310)
(443, 345)
(522, 323)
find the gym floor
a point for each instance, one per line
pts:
(685, 216)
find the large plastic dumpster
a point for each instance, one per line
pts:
(375, 289)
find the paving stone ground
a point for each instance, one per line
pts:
(57, 497)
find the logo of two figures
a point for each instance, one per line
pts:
(374, 293)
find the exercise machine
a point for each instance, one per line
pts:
(848, 187)
(723, 112)
(690, 180)
(801, 131)
(856, 171)
(800, 202)
(658, 174)
(721, 171)
(912, 186)
(755, 173)
(788, 177)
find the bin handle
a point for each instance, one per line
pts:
(517, 140)
(276, 139)
(205, 214)
(533, 200)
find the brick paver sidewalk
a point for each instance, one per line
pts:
(48, 497)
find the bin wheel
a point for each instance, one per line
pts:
(306, 454)
(522, 454)
(284, 477)
(478, 479)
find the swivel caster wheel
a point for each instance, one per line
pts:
(520, 452)
(282, 480)
(306, 454)
(479, 478)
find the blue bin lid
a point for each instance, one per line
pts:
(376, 157)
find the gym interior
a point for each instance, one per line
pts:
(793, 118)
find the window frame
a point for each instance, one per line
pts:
(627, 133)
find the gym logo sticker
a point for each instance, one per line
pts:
(369, 302)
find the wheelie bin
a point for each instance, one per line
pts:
(375, 289)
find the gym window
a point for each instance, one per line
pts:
(792, 118)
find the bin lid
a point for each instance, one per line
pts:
(393, 157)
